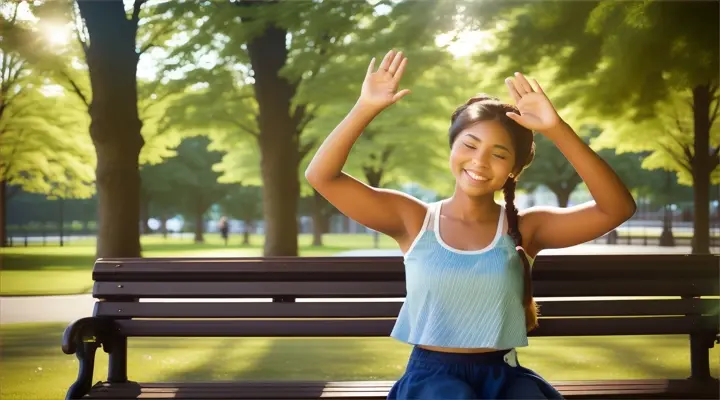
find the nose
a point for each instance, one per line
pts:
(481, 159)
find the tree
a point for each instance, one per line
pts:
(292, 51)
(159, 197)
(243, 203)
(42, 146)
(187, 181)
(552, 169)
(667, 139)
(109, 46)
(629, 59)
(111, 56)
(109, 51)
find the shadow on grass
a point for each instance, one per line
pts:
(622, 357)
(640, 357)
(297, 359)
(215, 364)
(38, 262)
(30, 340)
(321, 359)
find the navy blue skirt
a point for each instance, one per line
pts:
(495, 375)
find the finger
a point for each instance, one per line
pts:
(523, 83)
(396, 62)
(399, 95)
(538, 88)
(371, 67)
(513, 91)
(519, 89)
(400, 70)
(385, 64)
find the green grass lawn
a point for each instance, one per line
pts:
(39, 270)
(34, 367)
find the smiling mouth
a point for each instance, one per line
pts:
(475, 177)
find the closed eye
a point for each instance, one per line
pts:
(469, 146)
(499, 156)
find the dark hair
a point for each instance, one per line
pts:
(488, 108)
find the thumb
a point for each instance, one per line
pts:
(515, 117)
(399, 95)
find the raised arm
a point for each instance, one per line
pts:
(554, 227)
(387, 211)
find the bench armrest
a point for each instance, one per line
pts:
(82, 338)
(78, 330)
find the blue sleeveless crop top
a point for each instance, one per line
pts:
(462, 298)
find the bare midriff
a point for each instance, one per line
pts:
(458, 350)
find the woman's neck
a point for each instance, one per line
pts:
(463, 207)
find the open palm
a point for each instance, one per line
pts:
(536, 110)
(380, 88)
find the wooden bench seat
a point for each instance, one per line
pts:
(360, 297)
(375, 390)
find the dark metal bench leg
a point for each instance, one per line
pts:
(117, 368)
(700, 345)
(86, 356)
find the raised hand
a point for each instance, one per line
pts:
(379, 90)
(536, 111)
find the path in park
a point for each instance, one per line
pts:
(68, 308)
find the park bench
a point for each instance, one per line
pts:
(676, 290)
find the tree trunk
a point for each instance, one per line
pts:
(115, 125)
(163, 227)
(3, 230)
(61, 225)
(318, 217)
(701, 169)
(246, 232)
(199, 224)
(278, 141)
(144, 214)
(563, 195)
(666, 237)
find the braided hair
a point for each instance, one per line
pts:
(487, 108)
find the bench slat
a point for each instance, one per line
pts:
(567, 308)
(249, 310)
(384, 309)
(379, 389)
(248, 289)
(644, 287)
(579, 267)
(379, 327)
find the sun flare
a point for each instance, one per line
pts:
(56, 35)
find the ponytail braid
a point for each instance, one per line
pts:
(531, 308)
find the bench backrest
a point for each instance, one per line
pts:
(361, 296)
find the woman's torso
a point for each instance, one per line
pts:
(480, 286)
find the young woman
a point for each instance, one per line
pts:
(469, 297)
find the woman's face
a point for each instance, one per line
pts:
(482, 158)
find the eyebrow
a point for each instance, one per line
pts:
(499, 146)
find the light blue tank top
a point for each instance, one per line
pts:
(462, 298)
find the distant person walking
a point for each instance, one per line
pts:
(224, 227)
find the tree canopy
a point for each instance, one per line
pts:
(628, 61)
